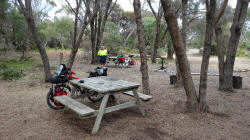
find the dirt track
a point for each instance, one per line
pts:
(24, 113)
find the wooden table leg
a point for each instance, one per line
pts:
(100, 113)
(114, 99)
(139, 102)
(73, 93)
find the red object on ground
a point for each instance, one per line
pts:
(72, 72)
(122, 59)
(132, 62)
(59, 93)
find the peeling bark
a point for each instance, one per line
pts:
(210, 20)
(81, 32)
(141, 47)
(236, 28)
(188, 83)
(27, 12)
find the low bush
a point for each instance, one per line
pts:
(149, 50)
(11, 74)
(3, 66)
(241, 52)
(15, 64)
(11, 69)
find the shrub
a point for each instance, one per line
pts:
(149, 50)
(248, 47)
(11, 74)
(240, 52)
(128, 50)
(113, 50)
(162, 51)
(3, 66)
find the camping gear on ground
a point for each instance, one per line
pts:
(99, 71)
(121, 60)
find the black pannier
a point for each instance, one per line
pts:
(55, 79)
(99, 71)
(60, 75)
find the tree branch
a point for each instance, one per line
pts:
(113, 6)
(72, 9)
(151, 7)
(223, 7)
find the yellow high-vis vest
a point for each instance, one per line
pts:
(102, 52)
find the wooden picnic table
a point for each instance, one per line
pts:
(108, 87)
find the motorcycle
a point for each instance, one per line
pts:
(125, 61)
(60, 85)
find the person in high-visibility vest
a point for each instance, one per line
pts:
(102, 53)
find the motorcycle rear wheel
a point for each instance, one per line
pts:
(51, 101)
(94, 96)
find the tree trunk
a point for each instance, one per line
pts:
(157, 30)
(156, 40)
(76, 46)
(238, 22)
(129, 35)
(210, 20)
(84, 26)
(183, 35)
(178, 72)
(27, 12)
(188, 83)
(103, 22)
(78, 4)
(184, 22)
(220, 44)
(93, 41)
(99, 28)
(141, 47)
(220, 52)
(170, 50)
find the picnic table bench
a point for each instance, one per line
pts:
(108, 87)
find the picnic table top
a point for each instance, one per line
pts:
(104, 84)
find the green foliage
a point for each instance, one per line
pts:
(11, 69)
(114, 50)
(3, 66)
(19, 29)
(57, 33)
(112, 38)
(248, 46)
(195, 43)
(149, 49)
(4, 6)
(162, 51)
(243, 44)
(149, 27)
(128, 50)
(241, 52)
(11, 74)
(243, 49)
(14, 64)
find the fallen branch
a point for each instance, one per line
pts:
(244, 70)
(209, 74)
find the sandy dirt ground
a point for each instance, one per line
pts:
(24, 113)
